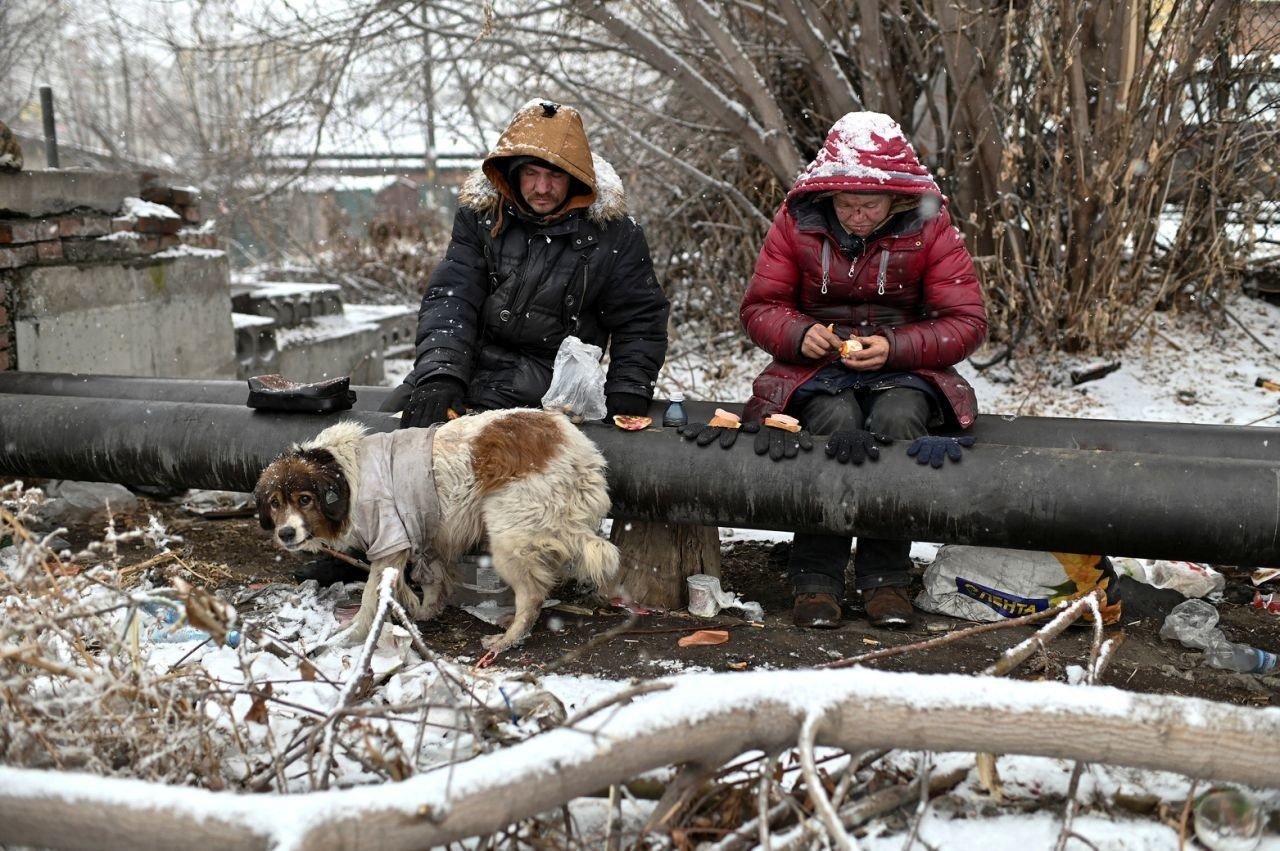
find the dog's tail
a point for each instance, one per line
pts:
(597, 562)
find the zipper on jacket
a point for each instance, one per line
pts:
(826, 265)
(884, 272)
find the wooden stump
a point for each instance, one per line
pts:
(656, 558)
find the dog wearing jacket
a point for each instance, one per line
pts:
(416, 499)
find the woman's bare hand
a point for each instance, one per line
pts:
(874, 353)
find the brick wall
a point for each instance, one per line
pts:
(159, 218)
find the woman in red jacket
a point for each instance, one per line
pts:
(862, 247)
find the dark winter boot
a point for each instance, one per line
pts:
(816, 611)
(889, 606)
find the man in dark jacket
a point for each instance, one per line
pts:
(542, 249)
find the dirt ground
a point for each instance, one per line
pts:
(578, 638)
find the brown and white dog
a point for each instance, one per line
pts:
(417, 499)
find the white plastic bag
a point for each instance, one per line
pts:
(707, 598)
(577, 382)
(1186, 577)
(991, 583)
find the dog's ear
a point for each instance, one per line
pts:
(262, 495)
(331, 486)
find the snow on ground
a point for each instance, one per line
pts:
(1178, 373)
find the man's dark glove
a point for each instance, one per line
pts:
(934, 450)
(855, 445)
(432, 400)
(703, 434)
(627, 404)
(780, 443)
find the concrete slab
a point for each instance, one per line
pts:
(328, 347)
(47, 193)
(398, 324)
(169, 317)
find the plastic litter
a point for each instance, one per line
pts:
(577, 382)
(675, 416)
(1194, 623)
(174, 629)
(707, 599)
(1186, 577)
(1267, 602)
(1228, 820)
(704, 638)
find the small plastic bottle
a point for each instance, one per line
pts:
(675, 415)
(1240, 657)
(174, 629)
(1194, 623)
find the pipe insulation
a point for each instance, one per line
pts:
(1224, 511)
(1160, 438)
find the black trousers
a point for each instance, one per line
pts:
(818, 562)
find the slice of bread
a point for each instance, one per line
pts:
(725, 419)
(782, 421)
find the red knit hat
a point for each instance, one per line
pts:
(866, 152)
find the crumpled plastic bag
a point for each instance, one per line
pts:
(991, 583)
(1186, 577)
(577, 382)
(707, 598)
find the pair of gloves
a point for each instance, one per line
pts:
(432, 401)
(849, 446)
(776, 442)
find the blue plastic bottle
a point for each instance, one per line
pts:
(675, 415)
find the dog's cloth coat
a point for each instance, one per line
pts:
(397, 502)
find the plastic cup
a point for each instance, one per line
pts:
(1228, 820)
(703, 590)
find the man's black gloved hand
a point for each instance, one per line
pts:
(934, 450)
(703, 434)
(627, 404)
(432, 400)
(855, 445)
(780, 443)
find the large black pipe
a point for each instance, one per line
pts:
(1119, 503)
(1178, 439)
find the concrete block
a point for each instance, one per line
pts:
(398, 325)
(35, 194)
(328, 348)
(167, 317)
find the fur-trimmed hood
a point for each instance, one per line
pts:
(479, 194)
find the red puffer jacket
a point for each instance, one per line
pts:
(929, 307)
(913, 284)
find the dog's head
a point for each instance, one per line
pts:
(304, 498)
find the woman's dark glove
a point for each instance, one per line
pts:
(703, 434)
(626, 404)
(780, 443)
(855, 445)
(431, 402)
(934, 450)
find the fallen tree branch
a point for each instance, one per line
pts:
(949, 638)
(694, 719)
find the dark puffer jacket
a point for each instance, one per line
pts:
(912, 281)
(512, 286)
